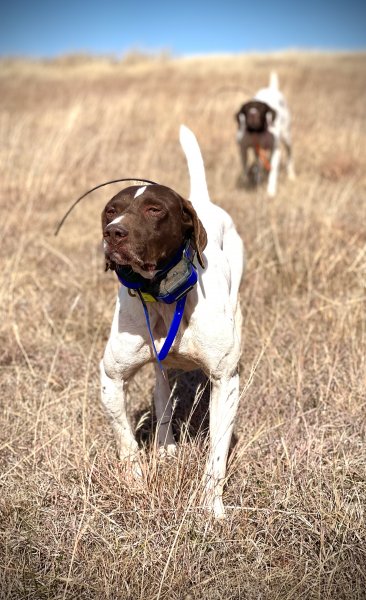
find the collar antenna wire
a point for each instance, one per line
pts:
(93, 190)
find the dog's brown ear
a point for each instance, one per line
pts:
(199, 235)
(108, 264)
(240, 115)
(244, 110)
(270, 115)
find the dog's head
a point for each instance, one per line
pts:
(144, 226)
(257, 115)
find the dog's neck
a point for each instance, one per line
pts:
(261, 129)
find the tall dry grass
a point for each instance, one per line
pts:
(73, 522)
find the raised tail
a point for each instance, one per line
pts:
(273, 81)
(199, 192)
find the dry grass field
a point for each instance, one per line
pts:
(73, 524)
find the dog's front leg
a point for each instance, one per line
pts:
(163, 410)
(244, 156)
(223, 407)
(273, 174)
(114, 402)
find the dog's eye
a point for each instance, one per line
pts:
(111, 211)
(153, 210)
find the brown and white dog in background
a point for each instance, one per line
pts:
(263, 125)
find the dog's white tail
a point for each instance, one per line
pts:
(273, 81)
(199, 192)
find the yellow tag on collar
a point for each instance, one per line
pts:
(148, 297)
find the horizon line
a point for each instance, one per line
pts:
(166, 53)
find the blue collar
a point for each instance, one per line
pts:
(170, 284)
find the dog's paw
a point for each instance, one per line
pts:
(211, 499)
(168, 451)
(218, 508)
(130, 460)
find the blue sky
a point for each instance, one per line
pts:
(40, 28)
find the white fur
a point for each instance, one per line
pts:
(140, 191)
(210, 341)
(116, 220)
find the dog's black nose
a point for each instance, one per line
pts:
(114, 232)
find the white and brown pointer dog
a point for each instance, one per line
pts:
(263, 126)
(144, 227)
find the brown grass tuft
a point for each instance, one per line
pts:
(336, 167)
(74, 523)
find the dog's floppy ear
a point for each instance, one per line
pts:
(266, 110)
(198, 235)
(240, 119)
(270, 115)
(109, 264)
(240, 116)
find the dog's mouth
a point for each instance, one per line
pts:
(149, 267)
(128, 258)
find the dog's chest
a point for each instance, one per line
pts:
(264, 140)
(186, 352)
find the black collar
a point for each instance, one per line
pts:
(170, 283)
